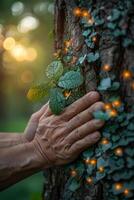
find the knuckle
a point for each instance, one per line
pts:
(78, 117)
(77, 133)
(69, 112)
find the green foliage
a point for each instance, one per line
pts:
(36, 93)
(107, 84)
(92, 57)
(70, 80)
(74, 185)
(101, 115)
(57, 101)
(113, 153)
(56, 85)
(54, 70)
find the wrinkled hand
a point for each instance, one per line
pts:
(60, 139)
(32, 125)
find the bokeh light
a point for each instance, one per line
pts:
(9, 43)
(31, 54)
(19, 53)
(17, 8)
(27, 24)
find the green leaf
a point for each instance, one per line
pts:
(57, 101)
(119, 32)
(115, 14)
(127, 42)
(88, 153)
(86, 33)
(36, 93)
(99, 21)
(131, 126)
(70, 80)
(100, 175)
(90, 43)
(101, 115)
(101, 162)
(105, 84)
(92, 57)
(111, 25)
(105, 147)
(80, 168)
(54, 70)
(74, 185)
(115, 86)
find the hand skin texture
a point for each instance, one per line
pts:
(49, 140)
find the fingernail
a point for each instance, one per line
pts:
(96, 135)
(98, 123)
(94, 93)
(99, 106)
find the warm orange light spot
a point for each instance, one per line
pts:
(65, 50)
(87, 161)
(85, 13)
(74, 59)
(57, 54)
(93, 161)
(90, 21)
(73, 173)
(104, 141)
(126, 191)
(9, 43)
(116, 103)
(67, 93)
(101, 169)
(127, 74)
(19, 53)
(77, 12)
(89, 180)
(106, 68)
(113, 113)
(119, 151)
(94, 39)
(67, 43)
(118, 186)
(107, 106)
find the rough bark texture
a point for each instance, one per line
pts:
(67, 26)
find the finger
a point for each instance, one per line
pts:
(84, 116)
(84, 130)
(46, 112)
(80, 105)
(84, 143)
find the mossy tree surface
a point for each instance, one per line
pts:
(107, 64)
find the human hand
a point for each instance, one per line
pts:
(32, 125)
(60, 139)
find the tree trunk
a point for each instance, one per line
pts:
(116, 51)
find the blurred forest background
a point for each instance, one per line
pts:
(26, 46)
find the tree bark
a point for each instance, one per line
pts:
(113, 54)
